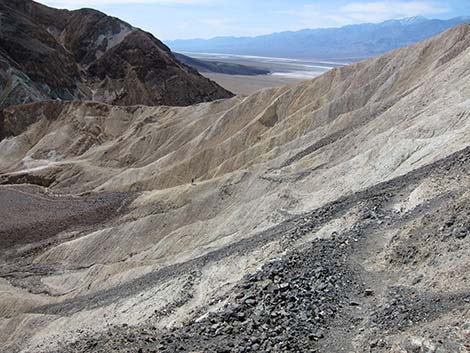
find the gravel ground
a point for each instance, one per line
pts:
(31, 215)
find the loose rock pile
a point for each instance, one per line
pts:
(286, 306)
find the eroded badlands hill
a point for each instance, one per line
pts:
(47, 53)
(328, 216)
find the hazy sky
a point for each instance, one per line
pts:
(172, 19)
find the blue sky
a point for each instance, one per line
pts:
(174, 19)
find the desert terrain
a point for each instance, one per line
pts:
(246, 85)
(49, 53)
(331, 215)
(279, 71)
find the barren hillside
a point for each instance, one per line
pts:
(327, 216)
(47, 53)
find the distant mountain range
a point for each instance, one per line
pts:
(346, 43)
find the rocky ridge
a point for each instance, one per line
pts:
(47, 53)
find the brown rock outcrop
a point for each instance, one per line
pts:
(47, 53)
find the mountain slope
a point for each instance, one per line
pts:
(330, 215)
(86, 55)
(346, 43)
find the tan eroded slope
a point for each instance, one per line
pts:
(256, 162)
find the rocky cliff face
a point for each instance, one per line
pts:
(58, 54)
(328, 216)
